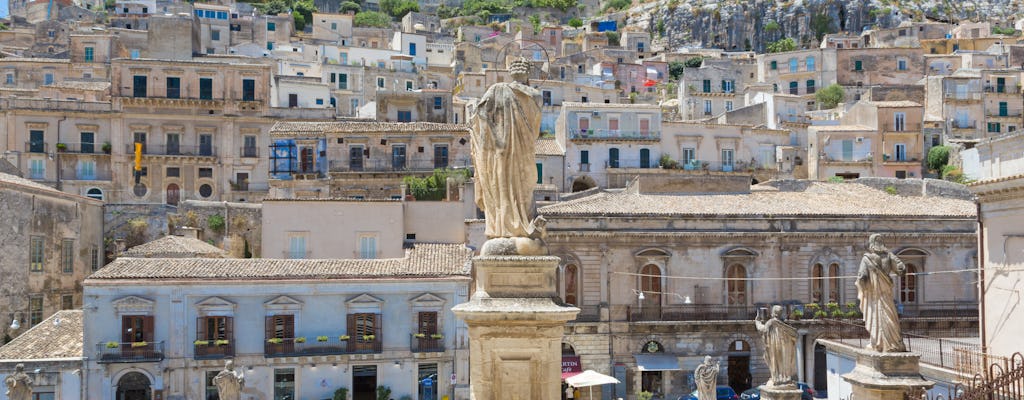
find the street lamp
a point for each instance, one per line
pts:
(15, 323)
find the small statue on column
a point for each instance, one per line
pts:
(875, 288)
(706, 376)
(19, 384)
(779, 347)
(229, 382)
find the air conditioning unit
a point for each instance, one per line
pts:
(860, 139)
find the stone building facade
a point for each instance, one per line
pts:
(649, 271)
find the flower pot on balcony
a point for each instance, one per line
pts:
(106, 147)
(437, 336)
(420, 335)
(300, 340)
(61, 147)
(201, 342)
(275, 340)
(321, 338)
(344, 337)
(221, 342)
(139, 344)
(112, 345)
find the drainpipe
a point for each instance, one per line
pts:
(57, 151)
(981, 286)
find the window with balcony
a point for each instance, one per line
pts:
(279, 334)
(817, 283)
(88, 142)
(707, 86)
(214, 337)
(689, 155)
(173, 144)
(810, 86)
(398, 157)
(728, 86)
(206, 145)
(900, 152)
(794, 87)
(36, 142)
(834, 285)
(136, 329)
(645, 158)
(441, 156)
(1000, 85)
(364, 330)
(613, 157)
(727, 158)
(736, 286)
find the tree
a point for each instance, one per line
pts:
(675, 70)
(372, 19)
(616, 5)
(782, 45)
(938, 157)
(694, 62)
(575, 22)
(613, 38)
(821, 24)
(535, 21)
(772, 26)
(300, 21)
(350, 6)
(398, 8)
(830, 96)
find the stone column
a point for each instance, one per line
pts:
(515, 329)
(884, 376)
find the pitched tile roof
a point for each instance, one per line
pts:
(17, 180)
(548, 147)
(175, 247)
(286, 128)
(425, 260)
(818, 199)
(48, 340)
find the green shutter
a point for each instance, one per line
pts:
(540, 173)
(857, 66)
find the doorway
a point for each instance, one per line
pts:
(739, 366)
(364, 382)
(173, 194)
(820, 368)
(133, 386)
(651, 381)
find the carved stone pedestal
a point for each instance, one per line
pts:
(788, 392)
(885, 376)
(515, 329)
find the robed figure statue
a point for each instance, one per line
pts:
(875, 291)
(779, 347)
(706, 376)
(229, 382)
(19, 384)
(504, 126)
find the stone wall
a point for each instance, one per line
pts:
(118, 225)
(242, 225)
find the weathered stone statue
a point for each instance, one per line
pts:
(779, 348)
(706, 376)
(19, 384)
(875, 292)
(229, 382)
(504, 125)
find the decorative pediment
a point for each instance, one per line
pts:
(216, 306)
(364, 303)
(282, 303)
(427, 300)
(740, 252)
(134, 305)
(652, 253)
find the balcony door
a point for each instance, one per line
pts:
(280, 327)
(650, 286)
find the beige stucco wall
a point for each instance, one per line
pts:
(332, 228)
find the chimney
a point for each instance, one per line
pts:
(187, 231)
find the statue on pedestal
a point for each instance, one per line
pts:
(706, 376)
(875, 292)
(229, 382)
(779, 347)
(19, 384)
(504, 126)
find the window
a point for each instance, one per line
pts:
(1003, 109)
(206, 172)
(899, 121)
(398, 157)
(736, 287)
(794, 87)
(173, 172)
(584, 157)
(140, 137)
(136, 328)
(438, 103)
(613, 123)
(67, 301)
(727, 157)
(645, 158)
(908, 285)
(94, 257)
(218, 333)
(10, 79)
(858, 65)
(319, 102)
(89, 54)
(774, 65)
(210, 14)
(173, 87)
(728, 105)
(833, 283)
(613, 157)
(249, 146)
(220, 14)
(37, 168)
(545, 97)
(47, 78)
(689, 155)
(362, 326)
(87, 141)
(793, 65)
(427, 380)
(540, 173)
(408, 85)
(817, 283)
(67, 256)
(404, 116)
(380, 82)
(810, 86)
(36, 254)
(211, 388)
(35, 310)
(343, 81)
(139, 86)
(215, 34)
(248, 89)
(412, 49)
(707, 86)
(441, 156)
(355, 158)
(901, 65)
(707, 107)
(36, 142)
(367, 246)
(206, 146)
(810, 63)
(297, 247)
(271, 26)
(206, 88)
(993, 127)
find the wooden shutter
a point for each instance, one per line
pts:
(268, 331)
(229, 329)
(201, 329)
(376, 329)
(126, 323)
(427, 323)
(147, 328)
(351, 331)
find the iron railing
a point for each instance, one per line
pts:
(613, 134)
(694, 312)
(174, 150)
(306, 346)
(249, 152)
(426, 344)
(129, 352)
(397, 165)
(83, 148)
(35, 147)
(210, 349)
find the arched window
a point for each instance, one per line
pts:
(908, 285)
(570, 284)
(817, 285)
(173, 194)
(94, 193)
(650, 285)
(833, 283)
(736, 286)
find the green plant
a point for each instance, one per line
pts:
(772, 26)
(820, 315)
(835, 179)
(106, 147)
(434, 187)
(938, 157)
(782, 45)
(62, 146)
(891, 190)
(344, 337)
(300, 21)
(341, 394)
(853, 314)
(367, 338)
(812, 307)
(613, 38)
(675, 70)
(300, 339)
(851, 305)
(221, 342)
(201, 342)
(644, 395)
(796, 314)
(350, 6)
(321, 338)
(998, 30)
(830, 96)
(535, 22)
(575, 22)
(371, 19)
(666, 162)
(436, 336)
(953, 174)
(420, 335)
(139, 344)
(215, 222)
(694, 62)
(112, 345)
(616, 5)
(275, 340)
(383, 393)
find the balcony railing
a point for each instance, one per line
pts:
(85, 174)
(211, 350)
(911, 127)
(118, 352)
(82, 148)
(964, 124)
(391, 165)
(613, 134)
(631, 163)
(999, 89)
(854, 157)
(249, 152)
(306, 346)
(426, 344)
(717, 166)
(1003, 113)
(36, 147)
(717, 312)
(694, 312)
(180, 150)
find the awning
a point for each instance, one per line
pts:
(570, 366)
(656, 362)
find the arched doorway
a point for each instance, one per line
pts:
(736, 286)
(650, 288)
(652, 381)
(133, 386)
(570, 284)
(583, 183)
(739, 366)
(173, 194)
(820, 368)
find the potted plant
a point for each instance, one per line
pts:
(139, 344)
(321, 338)
(436, 336)
(341, 394)
(222, 342)
(61, 147)
(420, 335)
(106, 147)
(201, 342)
(344, 337)
(275, 340)
(797, 314)
(820, 315)
(368, 338)
(300, 339)
(112, 345)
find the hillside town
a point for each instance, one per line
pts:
(539, 199)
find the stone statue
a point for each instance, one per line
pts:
(19, 384)
(504, 125)
(875, 292)
(706, 376)
(779, 347)
(229, 382)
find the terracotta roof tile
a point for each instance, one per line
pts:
(425, 260)
(548, 147)
(175, 247)
(48, 340)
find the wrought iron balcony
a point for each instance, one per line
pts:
(427, 344)
(130, 352)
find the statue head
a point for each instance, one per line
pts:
(707, 360)
(777, 311)
(875, 244)
(19, 368)
(520, 70)
(230, 366)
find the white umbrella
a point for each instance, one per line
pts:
(590, 378)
